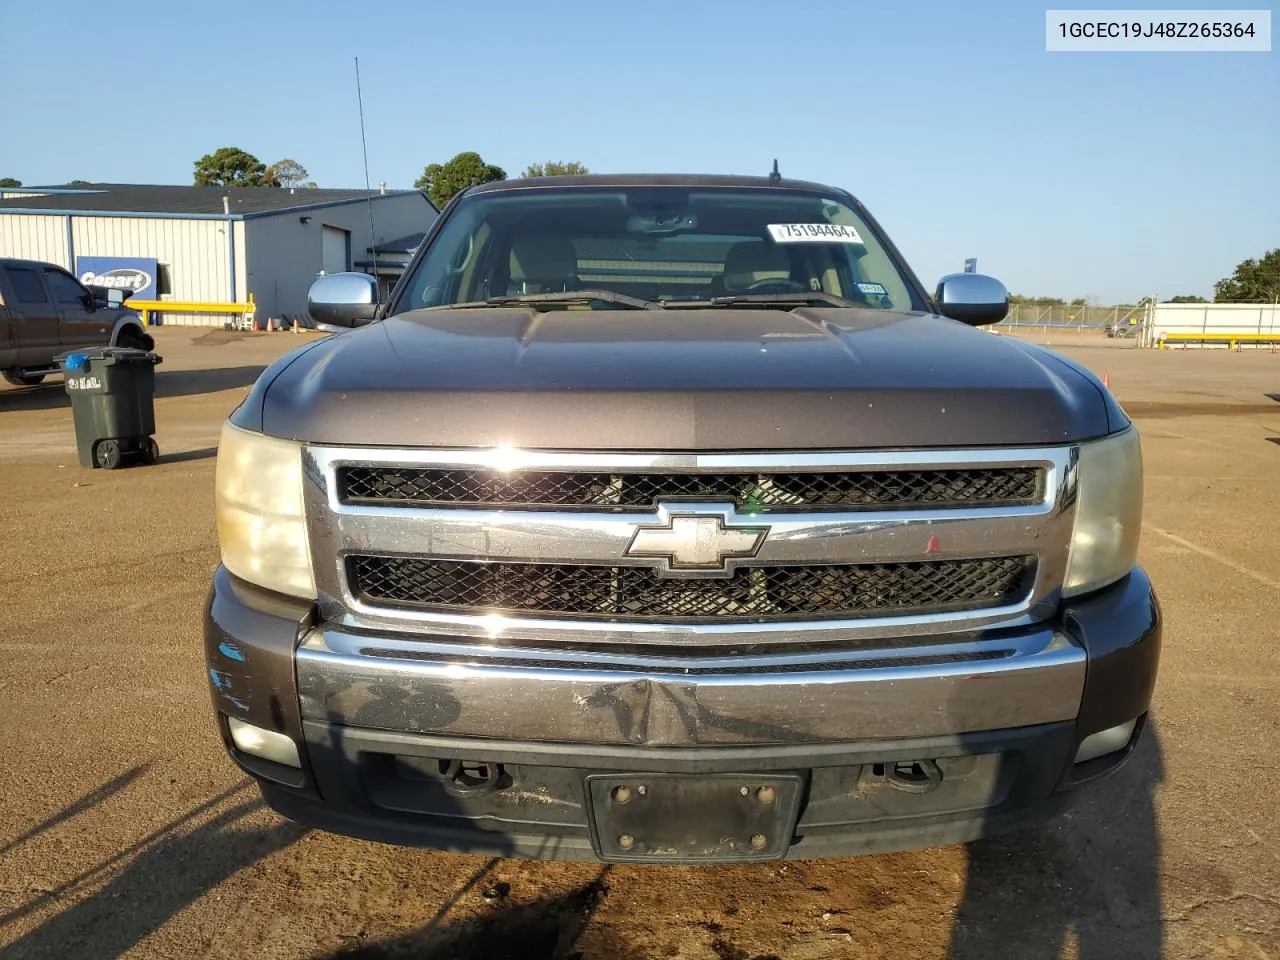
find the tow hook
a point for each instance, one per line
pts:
(470, 778)
(914, 776)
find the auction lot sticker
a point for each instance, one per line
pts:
(813, 233)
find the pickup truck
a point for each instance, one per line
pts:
(670, 519)
(45, 312)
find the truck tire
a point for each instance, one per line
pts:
(20, 379)
(134, 338)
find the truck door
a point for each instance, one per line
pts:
(8, 343)
(78, 325)
(34, 317)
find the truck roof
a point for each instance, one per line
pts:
(654, 180)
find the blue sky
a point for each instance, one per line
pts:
(1108, 175)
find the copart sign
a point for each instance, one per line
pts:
(133, 275)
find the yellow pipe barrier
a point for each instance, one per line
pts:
(1221, 337)
(146, 308)
(1232, 340)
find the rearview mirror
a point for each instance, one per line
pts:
(343, 300)
(972, 298)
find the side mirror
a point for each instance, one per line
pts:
(972, 298)
(106, 297)
(343, 300)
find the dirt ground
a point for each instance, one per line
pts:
(124, 831)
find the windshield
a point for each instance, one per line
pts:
(668, 245)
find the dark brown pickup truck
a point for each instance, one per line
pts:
(45, 312)
(670, 519)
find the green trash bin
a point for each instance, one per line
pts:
(112, 391)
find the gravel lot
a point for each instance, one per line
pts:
(124, 831)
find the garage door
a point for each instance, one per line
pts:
(337, 248)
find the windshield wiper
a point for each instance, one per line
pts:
(567, 296)
(812, 299)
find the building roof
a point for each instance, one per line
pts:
(179, 201)
(401, 244)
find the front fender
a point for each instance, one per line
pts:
(124, 322)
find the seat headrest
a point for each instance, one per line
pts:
(754, 260)
(542, 261)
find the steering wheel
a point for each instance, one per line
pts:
(777, 285)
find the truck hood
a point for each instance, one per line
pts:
(686, 379)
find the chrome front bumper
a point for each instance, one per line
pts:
(1003, 713)
(445, 688)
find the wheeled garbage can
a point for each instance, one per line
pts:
(112, 392)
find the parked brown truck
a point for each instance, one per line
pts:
(45, 312)
(670, 519)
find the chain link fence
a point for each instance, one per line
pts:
(1070, 317)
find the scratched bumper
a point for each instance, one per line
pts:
(367, 682)
(376, 716)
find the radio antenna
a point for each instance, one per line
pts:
(364, 147)
(775, 176)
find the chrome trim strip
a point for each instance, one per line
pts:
(507, 458)
(1034, 678)
(603, 538)
(336, 530)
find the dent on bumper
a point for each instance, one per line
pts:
(1097, 666)
(950, 688)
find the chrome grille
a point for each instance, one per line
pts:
(638, 594)
(764, 492)
(858, 548)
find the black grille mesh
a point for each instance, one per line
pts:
(846, 490)
(638, 594)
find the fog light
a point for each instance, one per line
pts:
(1105, 741)
(266, 744)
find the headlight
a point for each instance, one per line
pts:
(1104, 546)
(261, 526)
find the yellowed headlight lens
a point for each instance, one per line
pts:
(261, 525)
(1104, 547)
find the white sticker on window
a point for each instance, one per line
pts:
(873, 289)
(813, 233)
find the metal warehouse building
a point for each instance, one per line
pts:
(213, 244)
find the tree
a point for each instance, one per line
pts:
(286, 173)
(442, 181)
(1255, 281)
(1037, 301)
(229, 167)
(1078, 302)
(9, 182)
(1186, 298)
(555, 168)
(78, 183)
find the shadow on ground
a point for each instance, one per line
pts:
(204, 453)
(52, 394)
(544, 930)
(139, 889)
(1093, 875)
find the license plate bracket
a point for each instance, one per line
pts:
(712, 818)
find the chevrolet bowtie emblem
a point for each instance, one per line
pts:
(696, 543)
